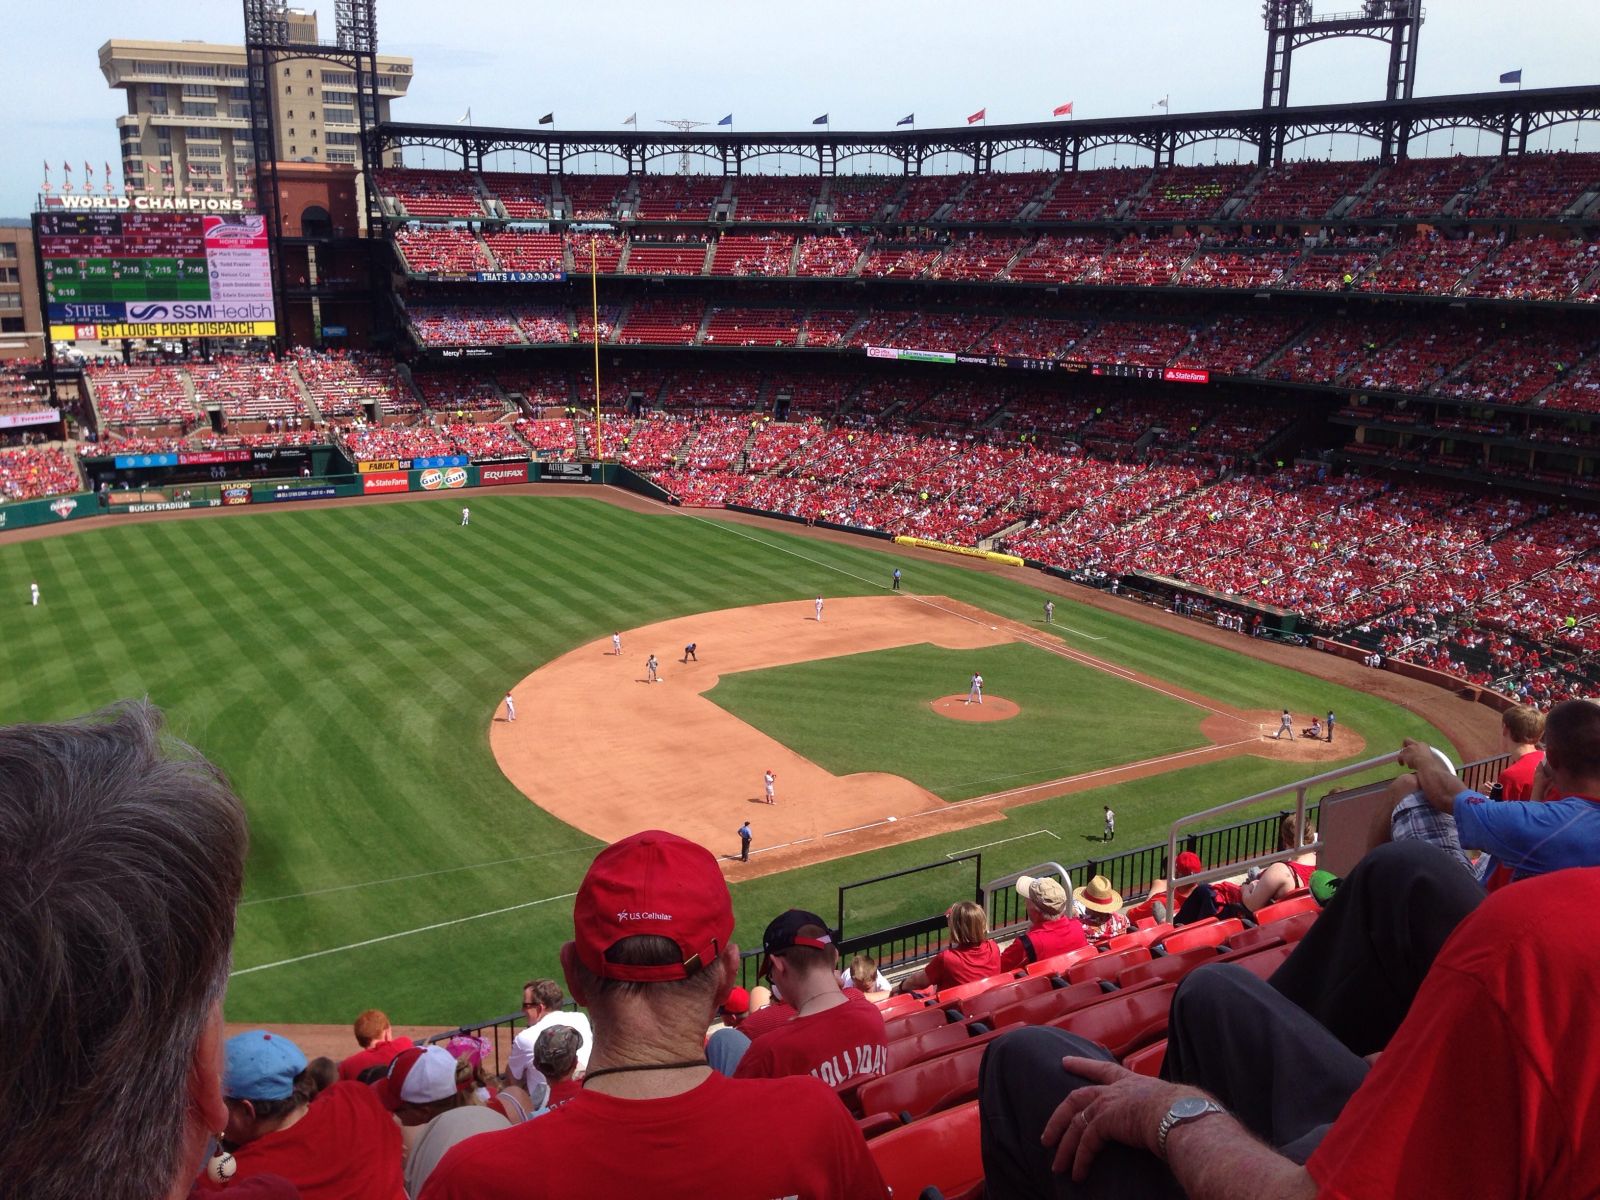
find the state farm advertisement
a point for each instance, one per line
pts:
(501, 473)
(385, 481)
(1186, 375)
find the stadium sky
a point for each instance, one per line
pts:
(865, 64)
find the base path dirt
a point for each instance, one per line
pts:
(602, 747)
(990, 708)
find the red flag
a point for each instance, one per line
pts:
(1064, 111)
(981, 115)
(87, 169)
(66, 168)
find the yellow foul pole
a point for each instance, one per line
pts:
(594, 299)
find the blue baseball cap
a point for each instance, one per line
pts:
(260, 1066)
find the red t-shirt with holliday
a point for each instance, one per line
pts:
(1044, 940)
(839, 1045)
(736, 1139)
(776, 1015)
(954, 966)
(346, 1147)
(1488, 1087)
(379, 1054)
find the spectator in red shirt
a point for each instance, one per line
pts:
(1521, 729)
(121, 860)
(651, 960)
(971, 955)
(1160, 907)
(378, 1045)
(1050, 930)
(836, 1037)
(555, 1056)
(346, 1146)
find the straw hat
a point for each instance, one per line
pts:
(1099, 896)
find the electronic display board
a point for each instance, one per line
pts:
(155, 275)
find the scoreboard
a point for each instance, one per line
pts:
(155, 275)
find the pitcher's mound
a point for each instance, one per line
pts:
(993, 708)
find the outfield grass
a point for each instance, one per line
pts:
(342, 665)
(1073, 719)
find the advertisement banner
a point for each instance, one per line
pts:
(39, 416)
(518, 276)
(383, 464)
(168, 329)
(286, 492)
(236, 494)
(567, 472)
(385, 481)
(126, 462)
(446, 460)
(206, 458)
(435, 478)
(502, 473)
(170, 506)
(1186, 375)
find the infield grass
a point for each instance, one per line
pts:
(342, 665)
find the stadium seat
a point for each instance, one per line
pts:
(1168, 969)
(1213, 934)
(912, 1091)
(1060, 962)
(1047, 1006)
(1284, 909)
(1256, 937)
(952, 996)
(907, 1050)
(1261, 962)
(898, 1006)
(1146, 935)
(877, 1123)
(1106, 966)
(912, 1023)
(1292, 929)
(1122, 1023)
(942, 1151)
(973, 1007)
(1148, 1060)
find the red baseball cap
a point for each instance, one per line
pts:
(652, 883)
(1189, 863)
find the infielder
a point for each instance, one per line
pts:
(511, 708)
(466, 517)
(689, 654)
(1285, 725)
(616, 643)
(897, 579)
(975, 690)
(33, 590)
(819, 610)
(769, 780)
(1111, 825)
(1049, 612)
(650, 670)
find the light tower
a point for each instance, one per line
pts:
(1292, 23)
(683, 125)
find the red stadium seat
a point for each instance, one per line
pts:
(973, 1007)
(1146, 935)
(1168, 969)
(1292, 929)
(952, 996)
(915, 1089)
(1283, 909)
(1060, 962)
(1213, 934)
(1256, 937)
(1261, 962)
(1148, 1060)
(876, 1124)
(1047, 1006)
(941, 1151)
(899, 1006)
(907, 1050)
(1106, 966)
(1123, 1023)
(912, 1023)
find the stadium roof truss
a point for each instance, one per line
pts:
(1512, 116)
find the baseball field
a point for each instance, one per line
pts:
(414, 851)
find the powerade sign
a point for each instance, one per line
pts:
(283, 494)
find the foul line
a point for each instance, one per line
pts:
(346, 887)
(1002, 842)
(389, 937)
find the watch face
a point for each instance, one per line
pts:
(1189, 1106)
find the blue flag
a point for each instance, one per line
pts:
(908, 119)
(822, 120)
(1512, 76)
(727, 120)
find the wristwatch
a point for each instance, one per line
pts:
(1189, 1108)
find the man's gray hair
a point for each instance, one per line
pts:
(121, 862)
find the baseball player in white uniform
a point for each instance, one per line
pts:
(33, 590)
(1049, 612)
(466, 517)
(769, 781)
(819, 609)
(1111, 825)
(616, 643)
(975, 691)
(511, 708)
(650, 669)
(1285, 725)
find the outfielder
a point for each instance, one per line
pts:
(1049, 612)
(466, 517)
(511, 708)
(769, 780)
(33, 590)
(1111, 825)
(975, 691)
(819, 610)
(1285, 725)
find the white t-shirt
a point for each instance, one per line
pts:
(520, 1063)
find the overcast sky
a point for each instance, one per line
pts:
(866, 63)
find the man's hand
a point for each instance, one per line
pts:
(1438, 782)
(1121, 1107)
(1541, 782)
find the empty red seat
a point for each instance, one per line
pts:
(1256, 937)
(1263, 962)
(1145, 936)
(915, 1089)
(1060, 962)
(941, 1151)
(907, 1050)
(1213, 934)
(1047, 1006)
(953, 995)
(1292, 929)
(1106, 966)
(1146, 1061)
(1284, 909)
(909, 1024)
(974, 1007)
(899, 1006)
(1125, 1022)
(1169, 969)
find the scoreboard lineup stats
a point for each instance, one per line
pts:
(154, 275)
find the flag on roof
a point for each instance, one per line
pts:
(727, 120)
(1064, 110)
(1161, 103)
(548, 119)
(1512, 76)
(822, 120)
(466, 118)
(908, 119)
(981, 115)
(633, 120)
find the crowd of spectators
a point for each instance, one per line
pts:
(32, 472)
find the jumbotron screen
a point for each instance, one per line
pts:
(155, 275)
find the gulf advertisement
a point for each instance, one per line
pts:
(442, 478)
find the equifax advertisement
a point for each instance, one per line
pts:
(503, 473)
